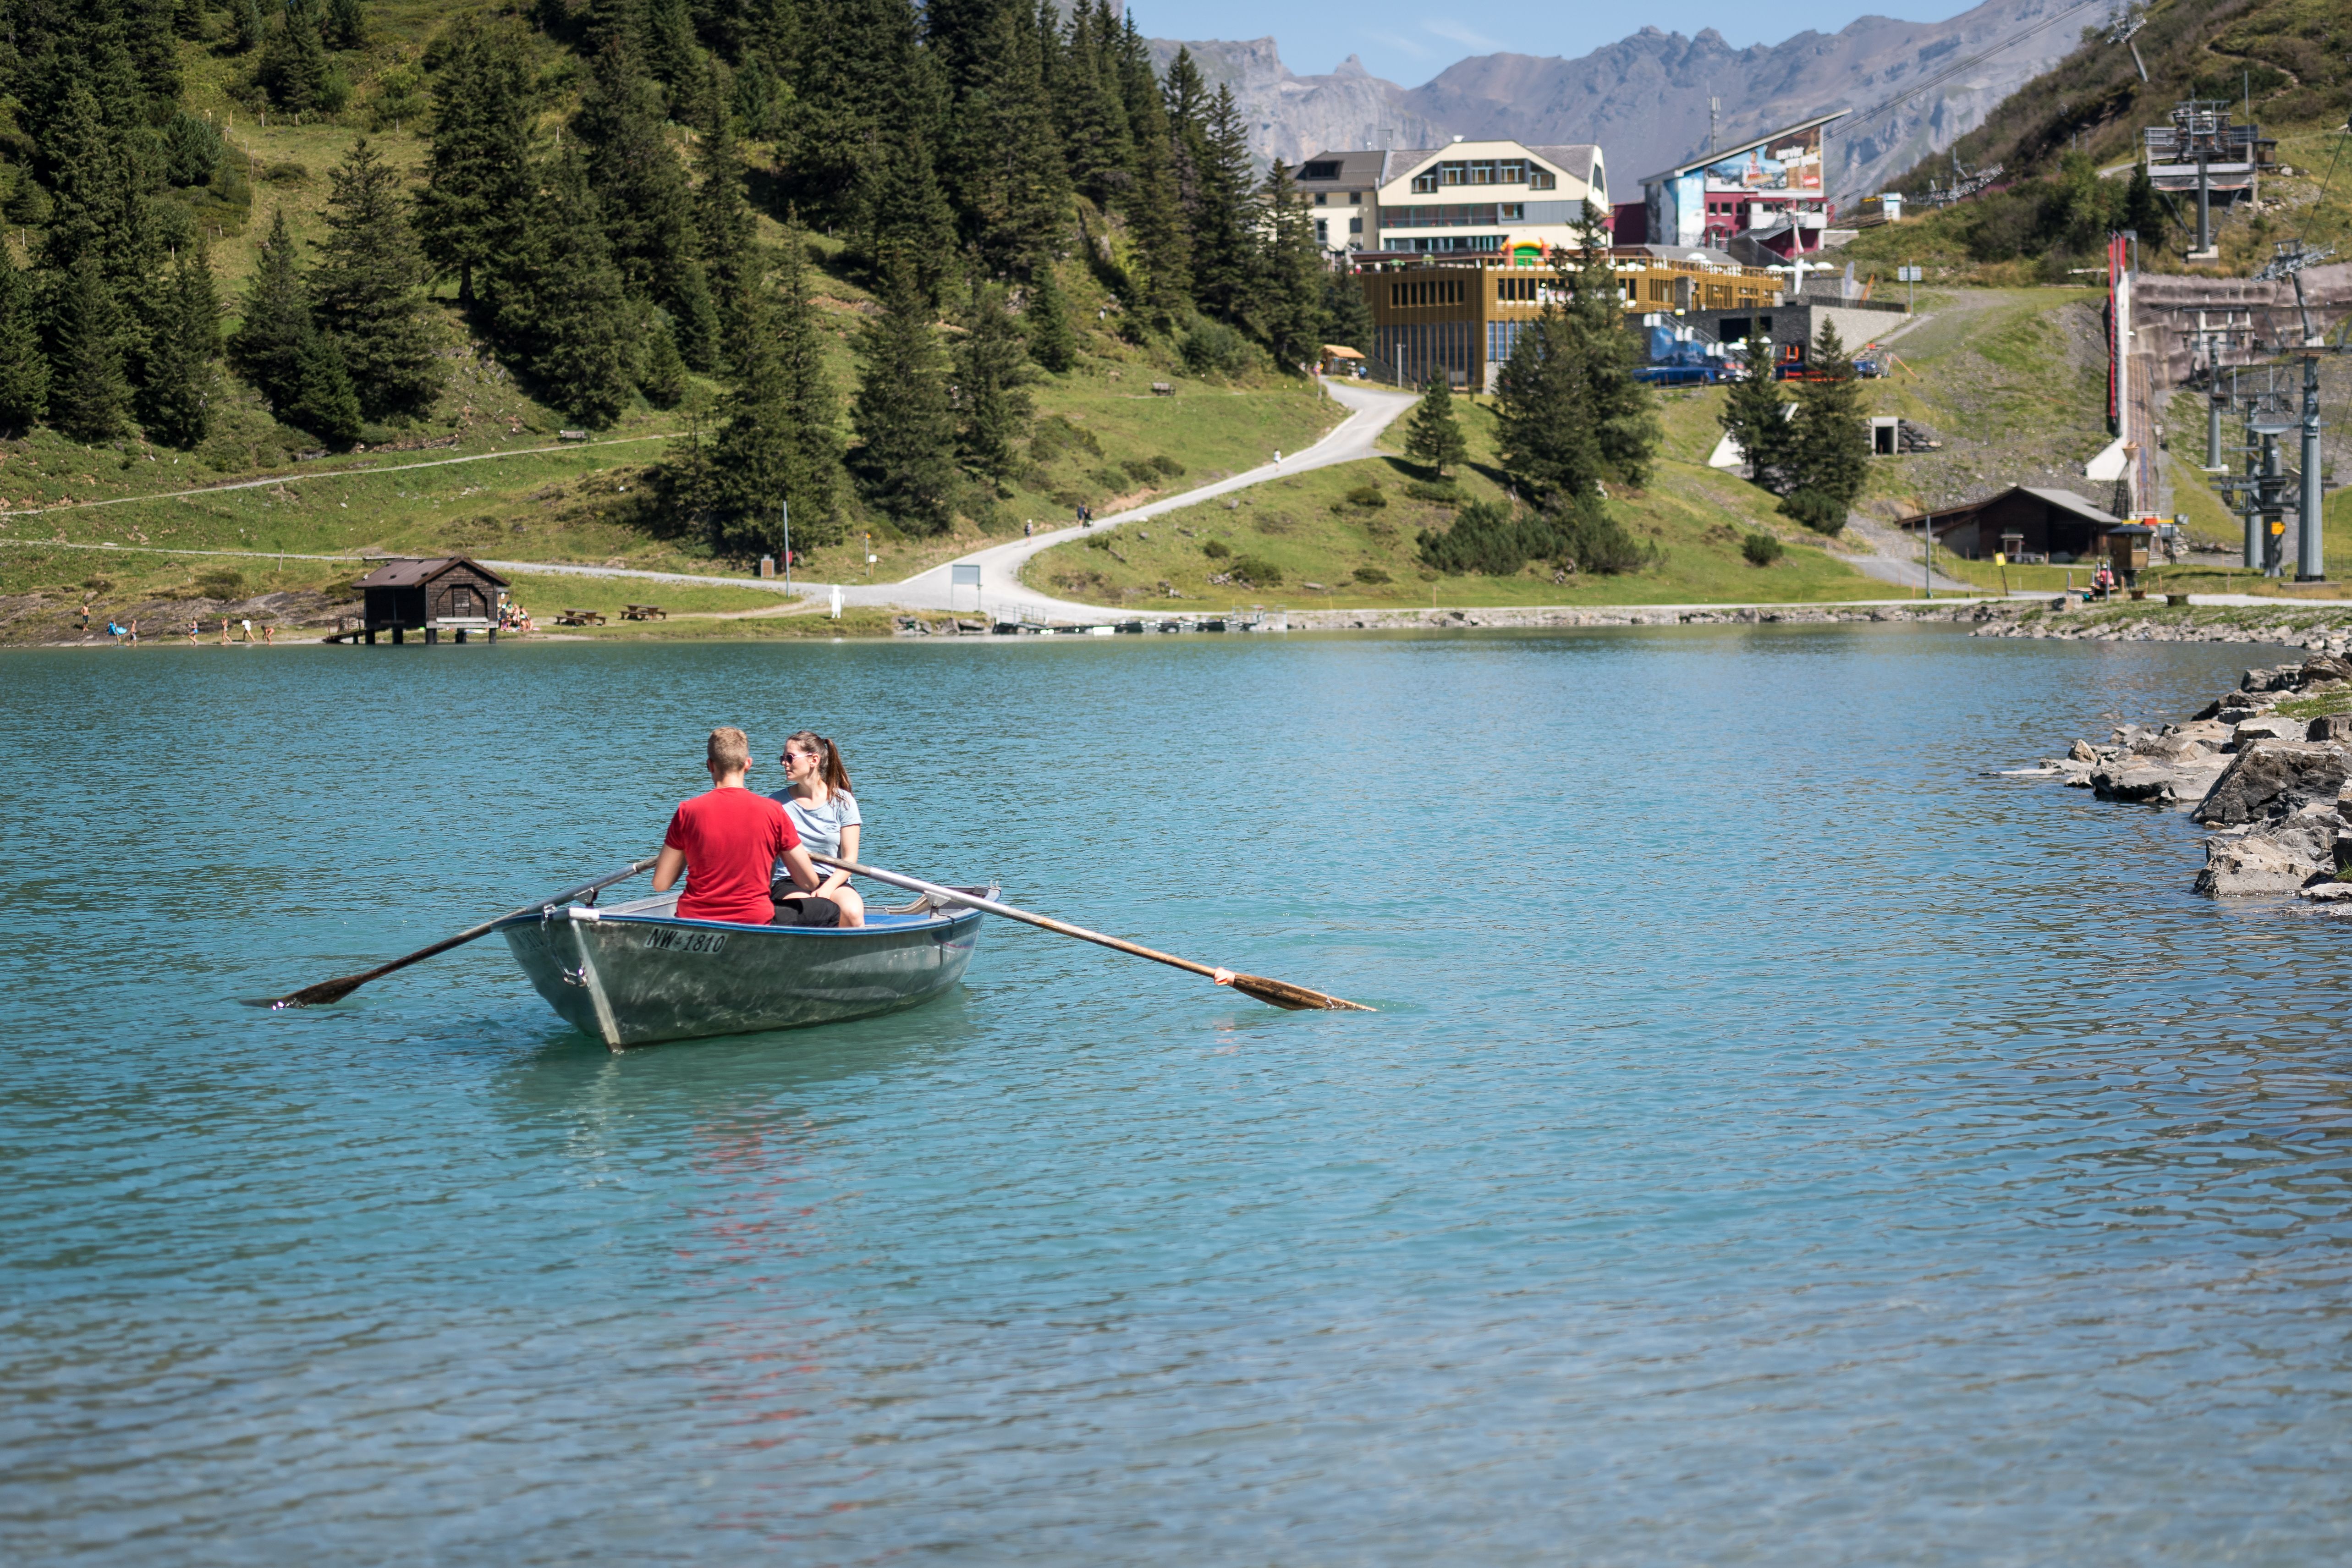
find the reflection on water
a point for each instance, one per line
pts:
(1783, 1139)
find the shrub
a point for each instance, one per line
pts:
(221, 583)
(1372, 574)
(1485, 539)
(1144, 471)
(1054, 436)
(1213, 348)
(1584, 537)
(1367, 496)
(1256, 572)
(1168, 467)
(1761, 549)
(1817, 512)
(1442, 491)
(1215, 550)
(1099, 541)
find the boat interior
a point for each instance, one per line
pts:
(922, 910)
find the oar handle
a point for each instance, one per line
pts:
(973, 901)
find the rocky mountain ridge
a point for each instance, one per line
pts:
(1644, 97)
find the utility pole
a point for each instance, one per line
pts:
(2288, 262)
(784, 510)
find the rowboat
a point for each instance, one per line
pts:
(635, 972)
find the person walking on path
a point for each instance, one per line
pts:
(247, 624)
(81, 624)
(1028, 530)
(196, 629)
(134, 629)
(224, 631)
(267, 639)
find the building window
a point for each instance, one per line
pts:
(1512, 212)
(1324, 168)
(1355, 225)
(1323, 231)
(1541, 179)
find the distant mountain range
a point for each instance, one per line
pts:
(1644, 99)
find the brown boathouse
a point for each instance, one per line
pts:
(448, 593)
(2026, 522)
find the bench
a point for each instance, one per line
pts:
(643, 613)
(1163, 389)
(580, 618)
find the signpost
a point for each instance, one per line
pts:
(957, 577)
(1909, 274)
(784, 510)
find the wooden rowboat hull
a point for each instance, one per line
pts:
(631, 978)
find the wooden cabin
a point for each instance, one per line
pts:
(447, 594)
(2027, 521)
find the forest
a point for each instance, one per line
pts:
(588, 212)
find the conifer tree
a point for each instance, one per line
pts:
(1045, 317)
(363, 292)
(293, 69)
(1016, 187)
(663, 380)
(154, 45)
(905, 464)
(246, 32)
(992, 393)
(99, 204)
(1547, 444)
(694, 320)
(1184, 98)
(89, 396)
(1089, 105)
(23, 372)
(574, 318)
(1829, 456)
(904, 220)
(1756, 417)
(777, 439)
(1434, 436)
(811, 405)
(1620, 405)
(1346, 319)
(266, 348)
(724, 230)
(324, 401)
(639, 183)
(477, 180)
(671, 52)
(345, 25)
(1290, 272)
(1223, 245)
(178, 394)
(1154, 216)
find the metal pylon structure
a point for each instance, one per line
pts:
(2125, 18)
(2288, 262)
(2262, 495)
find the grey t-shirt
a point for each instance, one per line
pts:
(819, 826)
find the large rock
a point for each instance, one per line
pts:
(2273, 779)
(2330, 727)
(2239, 865)
(2268, 729)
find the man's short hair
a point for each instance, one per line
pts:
(730, 750)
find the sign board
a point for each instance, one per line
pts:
(1908, 275)
(964, 576)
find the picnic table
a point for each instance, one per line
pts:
(580, 618)
(643, 613)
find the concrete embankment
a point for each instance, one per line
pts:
(2266, 766)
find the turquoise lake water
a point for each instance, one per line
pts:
(1782, 1140)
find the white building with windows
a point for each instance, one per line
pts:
(1468, 198)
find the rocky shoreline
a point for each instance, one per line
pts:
(1966, 610)
(2266, 766)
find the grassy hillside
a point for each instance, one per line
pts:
(1344, 538)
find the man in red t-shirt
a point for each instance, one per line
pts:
(729, 842)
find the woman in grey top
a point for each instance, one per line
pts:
(824, 814)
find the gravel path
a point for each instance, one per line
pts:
(1893, 556)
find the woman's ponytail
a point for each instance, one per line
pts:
(828, 755)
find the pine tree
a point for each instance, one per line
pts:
(1155, 218)
(1756, 417)
(574, 319)
(1014, 185)
(1548, 444)
(266, 346)
(1434, 436)
(905, 465)
(345, 27)
(1830, 443)
(725, 233)
(293, 69)
(1620, 405)
(1184, 98)
(991, 395)
(153, 41)
(904, 220)
(477, 182)
(1347, 318)
(1290, 272)
(671, 52)
(639, 182)
(245, 31)
(324, 401)
(694, 320)
(363, 292)
(2143, 215)
(89, 396)
(1089, 107)
(23, 372)
(1223, 243)
(178, 394)
(664, 379)
(814, 477)
(99, 205)
(777, 440)
(1045, 317)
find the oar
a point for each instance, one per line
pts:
(328, 990)
(1274, 993)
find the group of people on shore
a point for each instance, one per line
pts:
(745, 856)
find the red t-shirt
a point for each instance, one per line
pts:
(732, 839)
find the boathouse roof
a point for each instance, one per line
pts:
(411, 573)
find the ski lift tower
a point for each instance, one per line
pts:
(2288, 262)
(2198, 138)
(2260, 495)
(2125, 18)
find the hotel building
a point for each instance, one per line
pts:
(1466, 199)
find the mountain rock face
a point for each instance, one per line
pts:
(1644, 97)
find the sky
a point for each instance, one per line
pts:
(1410, 42)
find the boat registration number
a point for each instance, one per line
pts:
(668, 939)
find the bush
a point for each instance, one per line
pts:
(1586, 538)
(1444, 491)
(222, 583)
(1213, 348)
(1761, 549)
(1367, 496)
(1372, 574)
(192, 150)
(1167, 467)
(1054, 436)
(1256, 572)
(1485, 539)
(1815, 510)
(1215, 550)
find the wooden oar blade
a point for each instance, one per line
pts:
(1294, 998)
(324, 993)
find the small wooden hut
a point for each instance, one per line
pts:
(447, 594)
